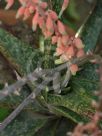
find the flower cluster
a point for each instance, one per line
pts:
(67, 47)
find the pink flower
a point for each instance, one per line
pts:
(60, 50)
(59, 42)
(35, 21)
(67, 47)
(20, 12)
(9, 4)
(53, 15)
(43, 5)
(31, 9)
(36, 1)
(61, 28)
(78, 43)
(41, 23)
(65, 4)
(80, 53)
(23, 2)
(26, 13)
(70, 52)
(49, 24)
(54, 39)
(65, 39)
(73, 69)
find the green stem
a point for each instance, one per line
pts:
(47, 53)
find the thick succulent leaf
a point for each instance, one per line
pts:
(65, 112)
(24, 125)
(49, 129)
(24, 59)
(77, 101)
(93, 27)
(56, 127)
(20, 55)
(88, 78)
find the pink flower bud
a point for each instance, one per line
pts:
(73, 69)
(31, 9)
(20, 12)
(43, 5)
(64, 57)
(59, 42)
(47, 33)
(9, 4)
(53, 15)
(41, 23)
(70, 51)
(60, 50)
(80, 53)
(54, 39)
(35, 21)
(26, 13)
(49, 24)
(56, 30)
(65, 4)
(23, 2)
(78, 43)
(65, 39)
(36, 1)
(61, 28)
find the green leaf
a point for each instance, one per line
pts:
(21, 56)
(24, 125)
(49, 129)
(71, 10)
(87, 78)
(77, 101)
(93, 27)
(4, 112)
(65, 112)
